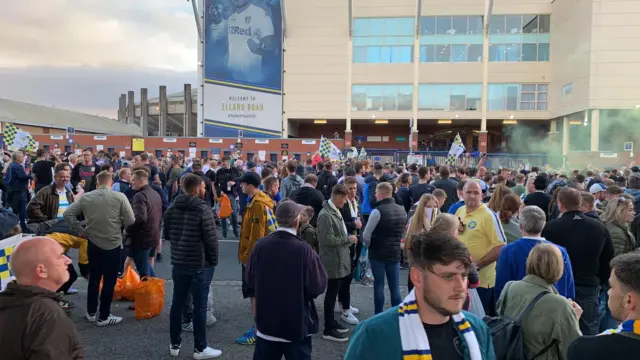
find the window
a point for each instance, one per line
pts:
(443, 53)
(474, 53)
(497, 24)
(381, 97)
(383, 40)
(459, 53)
(513, 53)
(544, 26)
(449, 97)
(428, 53)
(513, 24)
(475, 25)
(520, 97)
(543, 52)
(496, 52)
(451, 39)
(567, 89)
(443, 25)
(460, 25)
(529, 52)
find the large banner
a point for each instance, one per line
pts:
(7, 246)
(243, 68)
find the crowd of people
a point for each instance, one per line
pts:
(556, 252)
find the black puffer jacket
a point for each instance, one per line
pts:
(191, 230)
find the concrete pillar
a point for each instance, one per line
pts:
(565, 136)
(348, 133)
(595, 129)
(187, 110)
(285, 128)
(131, 107)
(162, 123)
(122, 108)
(483, 141)
(144, 111)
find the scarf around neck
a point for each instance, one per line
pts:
(415, 344)
(629, 326)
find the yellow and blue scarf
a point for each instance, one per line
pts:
(629, 326)
(415, 344)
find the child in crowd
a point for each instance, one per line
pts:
(306, 231)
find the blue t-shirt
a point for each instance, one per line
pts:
(454, 208)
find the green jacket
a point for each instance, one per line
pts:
(622, 239)
(552, 318)
(333, 242)
(378, 338)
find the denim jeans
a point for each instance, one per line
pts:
(587, 297)
(103, 265)
(196, 280)
(274, 350)
(141, 259)
(606, 320)
(233, 218)
(392, 270)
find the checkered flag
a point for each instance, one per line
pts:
(16, 138)
(329, 150)
(457, 148)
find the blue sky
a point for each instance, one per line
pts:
(82, 54)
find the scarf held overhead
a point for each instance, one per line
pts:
(415, 344)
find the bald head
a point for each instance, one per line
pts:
(40, 261)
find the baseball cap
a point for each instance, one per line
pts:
(596, 188)
(251, 165)
(250, 178)
(288, 210)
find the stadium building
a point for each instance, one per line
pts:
(381, 73)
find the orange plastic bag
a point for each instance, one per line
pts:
(149, 298)
(116, 290)
(129, 283)
(225, 209)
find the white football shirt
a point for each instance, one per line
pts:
(243, 64)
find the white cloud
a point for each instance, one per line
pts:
(98, 33)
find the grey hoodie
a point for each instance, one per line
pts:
(289, 184)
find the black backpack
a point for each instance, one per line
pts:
(508, 340)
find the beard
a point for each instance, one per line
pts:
(430, 296)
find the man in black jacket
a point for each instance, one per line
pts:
(226, 178)
(326, 180)
(309, 196)
(286, 275)
(588, 243)
(449, 186)
(351, 216)
(143, 236)
(196, 167)
(190, 228)
(382, 235)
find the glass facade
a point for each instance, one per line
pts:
(615, 128)
(517, 97)
(513, 38)
(450, 97)
(579, 131)
(383, 40)
(381, 97)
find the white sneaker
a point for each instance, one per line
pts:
(347, 316)
(175, 350)
(338, 309)
(211, 320)
(207, 353)
(111, 320)
(90, 318)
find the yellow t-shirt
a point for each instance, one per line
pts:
(482, 232)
